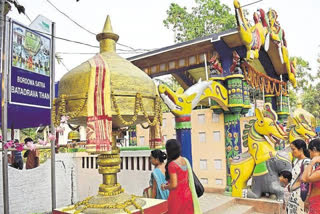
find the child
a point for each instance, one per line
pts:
(285, 178)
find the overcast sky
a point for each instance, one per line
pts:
(139, 24)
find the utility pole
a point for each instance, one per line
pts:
(4, 108)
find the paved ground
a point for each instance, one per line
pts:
(210, 201)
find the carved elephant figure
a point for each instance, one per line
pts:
(265, 178)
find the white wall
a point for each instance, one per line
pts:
(30, 190)
(76, 178)
(132, 180)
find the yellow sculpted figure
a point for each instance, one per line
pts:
(277, 36)
(266, 28)
(182, 102)
(253, 37)
(300, 129)
(258, 135)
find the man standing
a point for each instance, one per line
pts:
(17, 158)
(33, 160)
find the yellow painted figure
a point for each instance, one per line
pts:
(182, 102)
(266, 28)
(253, 37)
(299, 130)
(277, 35)
(265, 130)
(241, 169)
(259, 133)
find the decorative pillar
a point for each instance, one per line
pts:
(232, 142)
(235, 93)
(109, 166)
(282, 107)
(132, 136)
(183, 131)
(155, 137)
(238, 102)
(246, 97)
(270, 98)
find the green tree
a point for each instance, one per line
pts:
(304, 80)
(30, 132)
(311, 101)
(209, 16)
(306, 90)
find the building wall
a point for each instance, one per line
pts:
(168, 130)
(209, 160)
(208, 154)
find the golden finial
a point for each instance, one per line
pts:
(107, 38)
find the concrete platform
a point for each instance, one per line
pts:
(152, 206)
(214, 203)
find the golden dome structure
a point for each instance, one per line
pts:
(106, 93)
(304, 116)
(74, 135)
(126, 81)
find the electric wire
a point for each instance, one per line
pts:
(79, 25)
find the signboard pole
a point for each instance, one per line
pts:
(4, 113)
(53, 152)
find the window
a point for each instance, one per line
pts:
(218, 164)
(201, 118)
(215, 117)
(164, 122)
(219, 181)
(202, 137)
(203, 164)
(141, 138)
(216, 136)
(204, 181)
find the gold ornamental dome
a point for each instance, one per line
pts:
(126, 83)
(74, 135)
(303, 115)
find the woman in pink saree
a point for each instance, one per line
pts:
(312, 175)
(183, 197)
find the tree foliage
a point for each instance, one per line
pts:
(303, 77)
(311, 101)
(303, 74)
(307, 89)
(209, 16)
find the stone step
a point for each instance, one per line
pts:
(238, 209)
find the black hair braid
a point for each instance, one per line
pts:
(173, 149)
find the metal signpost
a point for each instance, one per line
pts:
(27, 82)
(53, 152)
